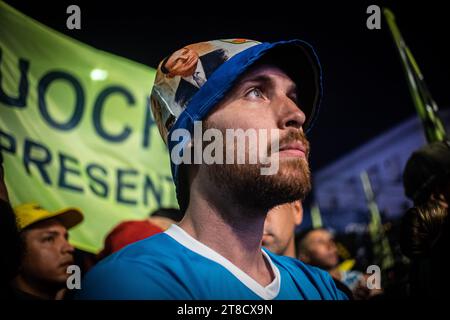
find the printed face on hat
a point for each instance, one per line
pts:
(181, 63)
(47, 253)
(265, 97)
(175, 84)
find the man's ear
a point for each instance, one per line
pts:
(298, 212)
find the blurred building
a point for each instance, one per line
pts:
(338, 187)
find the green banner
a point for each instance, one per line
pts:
(75, 129)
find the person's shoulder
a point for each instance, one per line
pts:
(139, 271)
(151, 247)
(319, 278)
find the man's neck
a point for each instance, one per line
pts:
(233, 231)
(290, 249)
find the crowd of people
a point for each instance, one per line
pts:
(234, 234)
(38, 251)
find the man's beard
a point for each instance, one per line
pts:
(249, 188)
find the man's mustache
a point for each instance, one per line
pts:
(292, 137)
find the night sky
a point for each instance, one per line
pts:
(365, 91)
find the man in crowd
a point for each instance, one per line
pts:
(317, 247)
(425, 227)
(279, 228)
(47, 252)
(215, 251)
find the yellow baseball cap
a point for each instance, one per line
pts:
(30, 213)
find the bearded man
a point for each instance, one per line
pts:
(216, 252)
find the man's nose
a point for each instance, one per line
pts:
(67, 247)
(289, 113)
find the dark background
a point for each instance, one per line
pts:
(365, 91)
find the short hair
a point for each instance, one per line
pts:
(426, 171)
(421, 228)
(171, 213)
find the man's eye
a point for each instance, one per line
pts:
(255, 93)
(48, 239)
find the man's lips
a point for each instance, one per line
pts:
(293, 149)
(67, 263)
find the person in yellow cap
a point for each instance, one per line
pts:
(47, 252)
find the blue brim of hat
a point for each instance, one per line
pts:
(224, 77)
